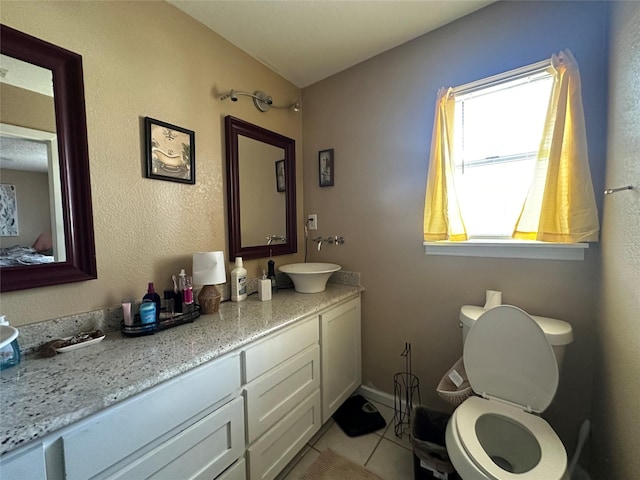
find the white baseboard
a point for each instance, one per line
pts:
(376, 395)
(381, 397)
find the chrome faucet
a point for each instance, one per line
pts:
(275, 238)
(330, 240)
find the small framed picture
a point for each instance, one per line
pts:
(281, 186)
(171, 152)
(325, 167)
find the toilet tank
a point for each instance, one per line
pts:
(558, 332)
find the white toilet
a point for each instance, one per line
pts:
(512, 362)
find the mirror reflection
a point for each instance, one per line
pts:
(261, 177)
(263, 206)
(31, 222)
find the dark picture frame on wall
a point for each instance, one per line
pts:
(281, 184)
(326, 168)
(170, 152)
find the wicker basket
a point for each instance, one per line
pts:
(448, 390)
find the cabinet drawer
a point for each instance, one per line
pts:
(276, 448)
(276, 393)
(238, 471)
(24, 465)
(120, 431)
(266, 354)
(202, 451)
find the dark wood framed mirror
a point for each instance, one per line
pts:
(78, 263)
(261, 193)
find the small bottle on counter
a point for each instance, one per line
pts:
(148, 312)
(184, 283)
(272, 275)
(238, 282)
(152, 296)
(169, 300)
(264, 288)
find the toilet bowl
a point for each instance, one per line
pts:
(497, 434)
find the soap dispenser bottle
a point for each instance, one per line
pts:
(271, 275)
(264, 288)
(238, 282)
(9, 353)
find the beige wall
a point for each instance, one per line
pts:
(616, 427)
(378, 117)
(25, 108)
(147, 59)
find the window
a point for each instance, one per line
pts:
(509, 160)
(497, 132)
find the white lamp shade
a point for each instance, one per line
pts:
(208, 268)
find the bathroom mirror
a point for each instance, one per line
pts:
(70, 237)
(261, 189)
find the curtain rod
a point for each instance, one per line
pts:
(514, 74)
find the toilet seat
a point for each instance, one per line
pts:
(553, 458)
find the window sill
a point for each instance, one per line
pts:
(508, 249)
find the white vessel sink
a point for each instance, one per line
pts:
(7, 335)
(310, 277)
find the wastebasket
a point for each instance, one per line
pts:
(430, 459)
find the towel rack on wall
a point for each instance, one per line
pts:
(609, 191)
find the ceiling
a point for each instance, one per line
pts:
(306, 41)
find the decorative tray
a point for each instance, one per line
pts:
(189, 314)
(80, 343)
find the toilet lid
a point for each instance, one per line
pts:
(508, 357)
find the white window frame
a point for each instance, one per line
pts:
(500, 247)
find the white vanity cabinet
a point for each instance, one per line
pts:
(189, 427)
(245, 414)
(282, 396)
(25, 464)
(340, 337)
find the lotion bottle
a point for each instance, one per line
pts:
(238, 282)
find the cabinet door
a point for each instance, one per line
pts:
(24, 465)
(340, 355)
(238, 471)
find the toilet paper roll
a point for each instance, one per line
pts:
(493, 299)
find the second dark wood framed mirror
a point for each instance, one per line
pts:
(261, 189)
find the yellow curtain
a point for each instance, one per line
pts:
(560, 205)
(442, 219)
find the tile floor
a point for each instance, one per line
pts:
(380, 452)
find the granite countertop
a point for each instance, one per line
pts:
(41, 395)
